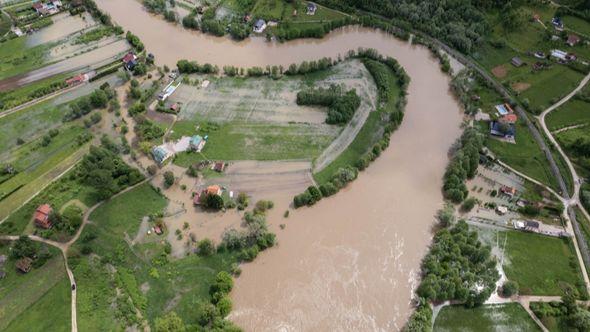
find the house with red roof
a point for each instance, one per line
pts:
(130, 60)
(509, 118)
(41, 216)
(573, 40)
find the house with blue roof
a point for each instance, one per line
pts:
(197, 143)
(161, 154)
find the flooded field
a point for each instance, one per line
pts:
(85, 61)
(350, 262)
(63, 25)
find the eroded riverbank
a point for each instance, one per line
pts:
(350, 262)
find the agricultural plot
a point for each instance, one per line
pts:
(70, 45)
(142, 271)
(26, 300)
(502, 317)
(258, 119)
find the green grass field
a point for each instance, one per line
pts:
(251, 141)
(548, 86)
(541, 265)
(567, 140)
(27, 300)
(503, 317)
(144, 266)
(574, 112)
(13, 98)
(5, 24)
(585, 227)
(576, 24)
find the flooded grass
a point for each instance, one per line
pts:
(17, 58)
(542, 265)
(498, 318)
(178, 285)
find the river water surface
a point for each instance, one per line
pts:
(351, 261)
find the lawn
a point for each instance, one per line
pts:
(573, 113)
(21, 95)
(525, 156)
(144, 272)
(5, 24)
(502, 317)
(548, 86)
(27, 300)
(271, 9)
(541, 265)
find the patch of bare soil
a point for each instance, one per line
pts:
(520, 86)
(500, 71)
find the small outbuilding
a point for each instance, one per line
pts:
(197, 143)
(517, 62)
(311, 8)
(41, 216)
(259, 26)
(161, 154)
(130, 61)
(219, 167)
(510, 191)
(573, 40)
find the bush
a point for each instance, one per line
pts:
(468, 204)
(206, 247)
(509, 288)
(168, 179)
(214, 202)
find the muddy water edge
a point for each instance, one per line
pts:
(350, 262)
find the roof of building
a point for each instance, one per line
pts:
(24, 264)
(259, 23)
(532, 224)
(497, 129)
(219, 166)
(129, 57)
(573, 39)
(510, 118)
(508, 190)
(311, 6)
(213, 190)
(37, 5)
(517, 61)
(160, 154)
(196, 140)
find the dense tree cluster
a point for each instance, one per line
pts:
(106, 172)
(134, 41)
(341, 105)
(575, 317)
(192, 67)
(458, 267)
(146, 129)
(463, 165)
(461, 23)
(314, 194)
(99, 98)
(288, 31)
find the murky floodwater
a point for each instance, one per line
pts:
(350, 262)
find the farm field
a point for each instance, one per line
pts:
(258, 119)
(541, 265)
(27, 299)
(501, 317)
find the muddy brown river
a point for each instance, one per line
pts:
(352, 261)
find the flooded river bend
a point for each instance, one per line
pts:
(351, 261)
